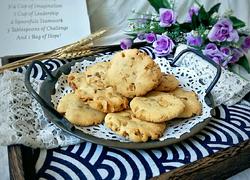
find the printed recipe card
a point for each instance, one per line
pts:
(31, 26)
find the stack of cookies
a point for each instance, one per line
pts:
(130, 94)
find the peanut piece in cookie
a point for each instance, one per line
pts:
(125, 124)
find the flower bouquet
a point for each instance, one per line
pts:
(224, 38)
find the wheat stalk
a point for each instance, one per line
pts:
(82, 43)
(70, 55)
(75, 50)
(76, 54)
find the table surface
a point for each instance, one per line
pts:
(217, 165)
(220, 165)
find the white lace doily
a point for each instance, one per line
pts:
(188, 80)
(230, 88)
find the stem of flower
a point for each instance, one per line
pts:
(134, 19)
(173, 5)
(144, 14)
(196, 1)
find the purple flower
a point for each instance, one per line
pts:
(236, 55)
(193, 40)
(141, 36)
(167, 17)
(193, 10)
(163, 45)
(212, 51)
(223, 31)
(150, 37)
(246, 44)
(226, 51)
(126, 43)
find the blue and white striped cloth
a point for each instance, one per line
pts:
(91, 161)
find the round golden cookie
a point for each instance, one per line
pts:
(96, 74)
(78, 81)
(102, 99)
(77, 112)
(190, 99)
(168, 83)
(157, 107)
(133, 73)
(125, 124)
(75, 79)
(107, 100)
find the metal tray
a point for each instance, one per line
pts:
(48, 88)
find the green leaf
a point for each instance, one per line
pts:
(244, 62)
(203, 16)
(166, 4)
(195, 21)
(133, 35)
(214, 9)
(157, 4)
(185, 27)
(212, 21)
(237, 23)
